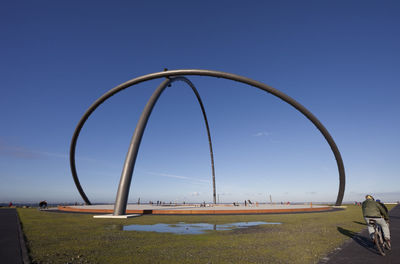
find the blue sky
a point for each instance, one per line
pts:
(340, 59)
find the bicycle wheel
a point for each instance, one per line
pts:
(378, 240)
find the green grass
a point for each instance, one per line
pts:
(78, 238)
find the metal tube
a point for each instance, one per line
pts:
(208, 131)
(121, 200)
(126, 177)
(210, 146)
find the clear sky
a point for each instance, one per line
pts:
(340, 59)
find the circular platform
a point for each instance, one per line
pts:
(196, 209)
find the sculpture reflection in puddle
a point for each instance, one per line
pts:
(198, 228)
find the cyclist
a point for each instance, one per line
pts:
(373, 210)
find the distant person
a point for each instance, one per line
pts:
(10, 204)
(373, 210)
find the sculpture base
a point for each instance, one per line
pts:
(116, 216)
(197, 209)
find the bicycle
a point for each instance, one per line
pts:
(379, 239)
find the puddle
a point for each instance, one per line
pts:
(190, 229)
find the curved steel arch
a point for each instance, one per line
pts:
(217, 74)
(140, 127)
(129, 165)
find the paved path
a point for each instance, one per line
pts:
(12, 246)
(360, 249)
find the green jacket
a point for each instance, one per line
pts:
(371, 208)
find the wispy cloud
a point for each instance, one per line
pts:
(261, 134)
(225, 194)
(18, 152)
(62, 156)
(179, 177)
(24, 153)
(267, 135)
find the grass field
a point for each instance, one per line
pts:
(78, 238)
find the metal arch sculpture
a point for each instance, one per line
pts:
(127, 171)
(137, 138)
(217, 74)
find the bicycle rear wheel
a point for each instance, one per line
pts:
(378, 240)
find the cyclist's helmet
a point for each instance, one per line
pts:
(369, 197)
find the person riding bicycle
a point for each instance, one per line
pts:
(373, 210)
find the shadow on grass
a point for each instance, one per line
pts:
(360, 223)
(359, 239)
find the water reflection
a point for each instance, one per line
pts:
(199, 228)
